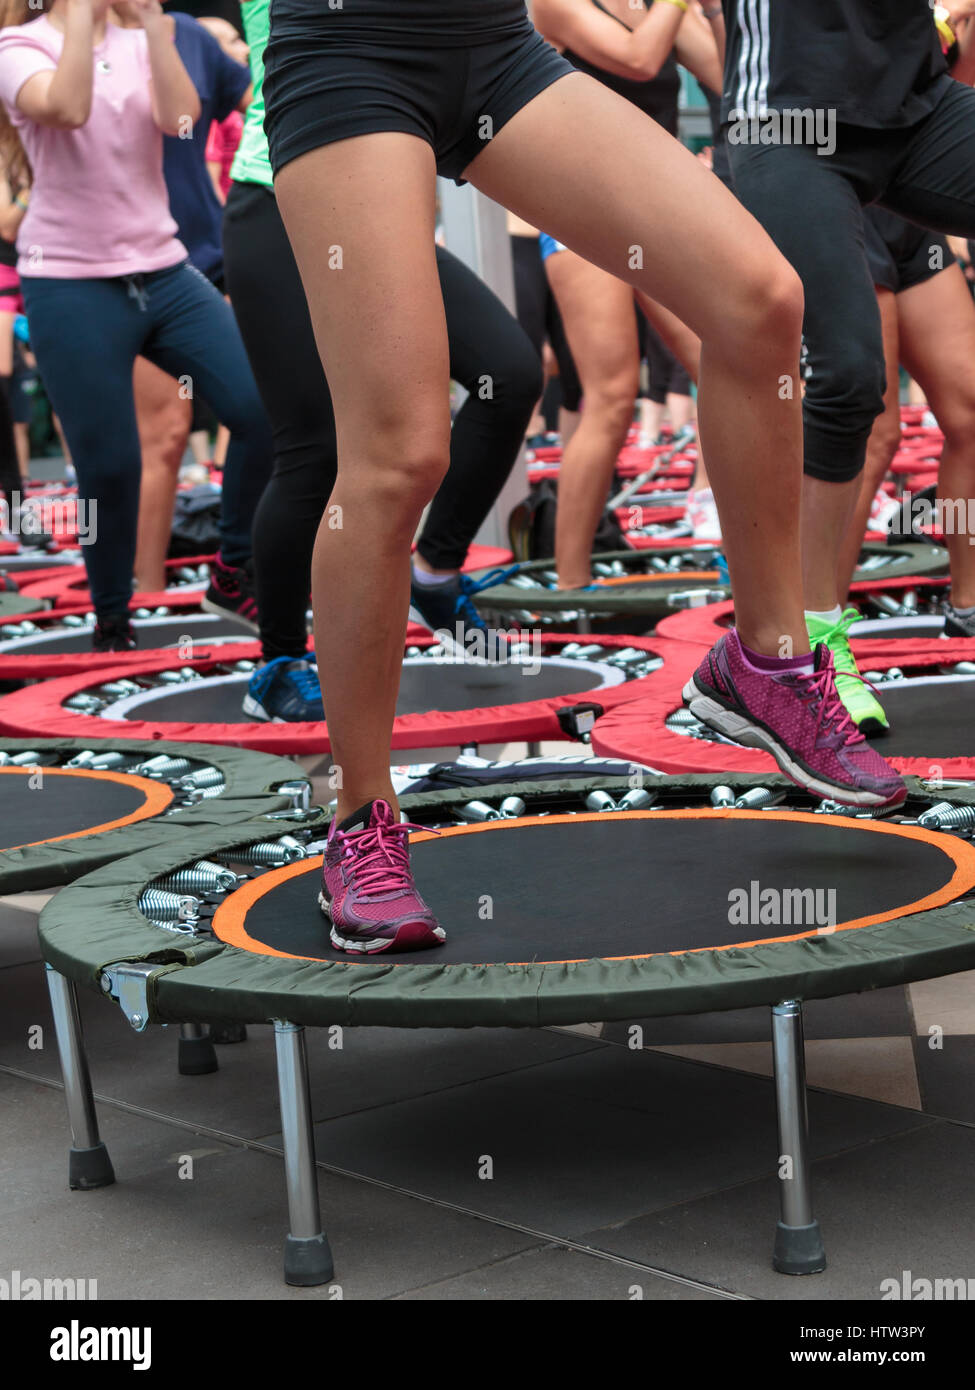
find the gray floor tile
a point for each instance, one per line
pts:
(375, 1066)
(219, 1234)
(903, 1203)
(554, 1274)
(589, 1140)
(18, 937)
(947, 1077)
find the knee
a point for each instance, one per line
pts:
(885, 440)
(956, 419)
(612, 401)
(400, 469)
(777, 305)
(519, 380)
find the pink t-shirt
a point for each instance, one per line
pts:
(222, 145)
(98, 206)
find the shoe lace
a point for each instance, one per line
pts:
(839, 634)
(381, 861)
(464, 606)
(305, 681)
(819, 687)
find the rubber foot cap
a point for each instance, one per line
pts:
(307, 1260)
(798, 1249)
(227, 1032)
(90, 1168)
(196, 1057)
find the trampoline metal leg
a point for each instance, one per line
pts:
(307, 1256)
(798, 1242)
(89, 1165)
(195, 1054)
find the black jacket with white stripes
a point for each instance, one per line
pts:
(876, 63)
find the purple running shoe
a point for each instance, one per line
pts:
(231, 592)
(367, 886)
(798, 718)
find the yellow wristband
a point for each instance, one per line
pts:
(681, 4)
(945, 31)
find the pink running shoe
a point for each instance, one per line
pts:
(796, 717)
(367, 886)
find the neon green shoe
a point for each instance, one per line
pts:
(862, 705)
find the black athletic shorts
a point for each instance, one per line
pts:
(901, 254)
(326, 80)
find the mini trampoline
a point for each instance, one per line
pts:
(594, 915)
(635, 589)
(550, 689)
(67, 807)
(68, 587)
(58, 642)
(27, 563)
(908, 607)
(16, 605)
(926, 688)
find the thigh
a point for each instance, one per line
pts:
(934, 181)
(271, 310)
(195, 335)
(812, 212)
(600, 325)
(360, 216)
(484, 340)
(936, 324)
(86, 335)
(621, 192)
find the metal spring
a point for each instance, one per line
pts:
(682, 716)
(85, 704)
(267, 853)
(119, 688)
(28, 758)
(168, 907)
(101, 762)
(601, 801)
(179, 928)
(203, 777)
(202, 877)
(758, 797)
(945, 816)
(478, 811)
(637, 799)
(722, 796)
(164, 766)
(74, 620)
(209, 792)
(963, 668)
(511, 807)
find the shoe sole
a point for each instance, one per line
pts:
(257, 711)
(218, 610)
(743, 731)
(450, 644)
(411, 936)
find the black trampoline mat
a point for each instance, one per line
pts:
(894, 627)
(62, 805)
(928, 721)
(618, 885)
(166, 632)
(425, 686)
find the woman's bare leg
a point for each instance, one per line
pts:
(627, 197)
(600, 325)
(881, 446)
(360, 216)
(164, 424)
(937, 328)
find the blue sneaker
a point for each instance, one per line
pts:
(448, 611)
(285, 691)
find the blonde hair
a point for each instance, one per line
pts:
(13, 158)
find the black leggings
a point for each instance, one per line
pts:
(269, 301)
(812, 206)
(538, 314)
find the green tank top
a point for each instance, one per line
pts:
(252, 163)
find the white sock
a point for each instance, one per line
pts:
(423, 578)
(832, 615)
(962, 612)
